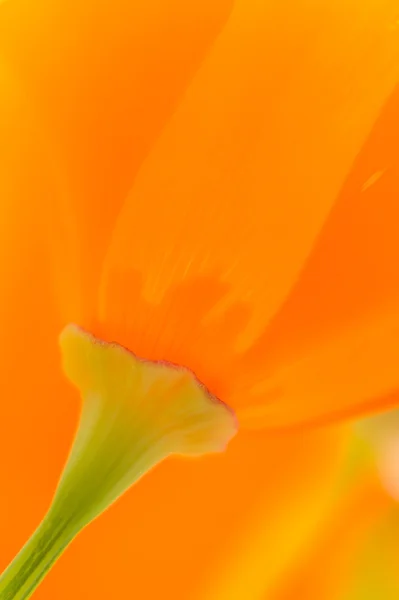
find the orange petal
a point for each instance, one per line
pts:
(102, 79)
(228, 205)
(332, 349)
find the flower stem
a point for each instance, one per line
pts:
(134, 415)
(36, 558)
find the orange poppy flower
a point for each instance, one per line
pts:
(175, 179)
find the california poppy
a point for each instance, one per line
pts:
(173, 181)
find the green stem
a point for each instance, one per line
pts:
(135, 413)
(36, 558)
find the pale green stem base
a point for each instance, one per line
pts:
(135, 414)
